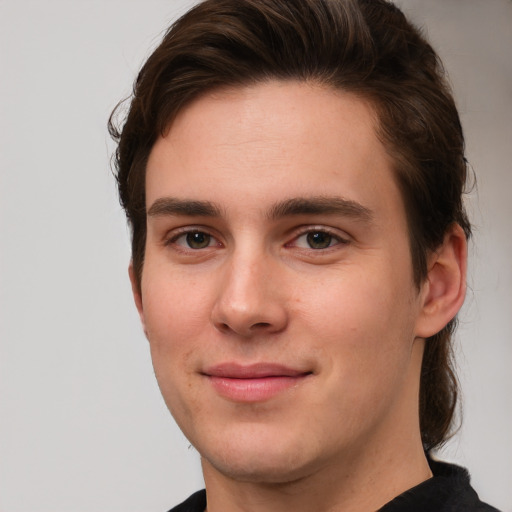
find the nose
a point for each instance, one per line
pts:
(249, 300)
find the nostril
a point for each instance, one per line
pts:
(224, 327)
(260, 325)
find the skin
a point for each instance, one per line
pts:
(298, 255)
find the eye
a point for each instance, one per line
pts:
(194, 240)
(317, 239)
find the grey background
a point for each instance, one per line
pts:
(82, 424)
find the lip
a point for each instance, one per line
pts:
(253, 383)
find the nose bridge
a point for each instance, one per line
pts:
(248, 299)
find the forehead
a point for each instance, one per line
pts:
(272, 139)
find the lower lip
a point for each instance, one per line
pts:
(254, 390)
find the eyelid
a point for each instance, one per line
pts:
(340, 236)
(172, 236)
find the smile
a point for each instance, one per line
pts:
(254, 383)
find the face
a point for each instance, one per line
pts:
(277, 290)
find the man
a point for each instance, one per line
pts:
(293, 172)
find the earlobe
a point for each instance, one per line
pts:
(445, 286)
(137, 297)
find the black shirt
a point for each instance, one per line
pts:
(448, 491)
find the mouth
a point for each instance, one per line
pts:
(253, 383)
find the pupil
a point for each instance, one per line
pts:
(319, 240)
(198, 240)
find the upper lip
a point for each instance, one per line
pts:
(252, 371)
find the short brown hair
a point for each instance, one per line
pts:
(366, 47)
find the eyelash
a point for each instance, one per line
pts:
(334, 237)
(186, 232)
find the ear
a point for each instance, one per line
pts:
(444, 288)
(137, 297)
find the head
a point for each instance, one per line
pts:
(363, 47)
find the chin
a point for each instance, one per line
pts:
(259, 471)
(261, 462)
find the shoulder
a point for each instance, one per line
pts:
(456, 482)
(194, 503)
(449, 490)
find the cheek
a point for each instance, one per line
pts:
(362, 325)
(175, 316)
(356, 299)
(365, 359)
(175, 309)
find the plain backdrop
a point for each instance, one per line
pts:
(82, 425)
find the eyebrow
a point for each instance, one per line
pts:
(320, 205)
(183, 207)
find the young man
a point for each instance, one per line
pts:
(293, 172)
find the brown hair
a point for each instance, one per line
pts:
(362, 46)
